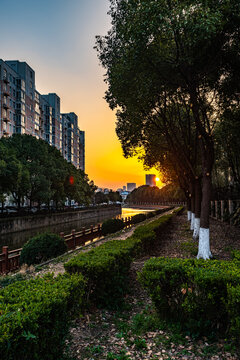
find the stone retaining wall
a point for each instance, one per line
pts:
(10, 225)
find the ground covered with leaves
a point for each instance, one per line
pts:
(135, 331)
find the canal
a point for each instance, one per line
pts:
(18, 239)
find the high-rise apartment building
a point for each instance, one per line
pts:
(131, 186)
(150, 179)
(24, 110)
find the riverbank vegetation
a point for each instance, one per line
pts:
(33, 172)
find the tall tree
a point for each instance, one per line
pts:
(159, 49)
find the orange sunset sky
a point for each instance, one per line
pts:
(56, 38)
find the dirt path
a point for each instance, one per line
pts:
(135, 332)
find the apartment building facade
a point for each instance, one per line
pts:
(24, 110)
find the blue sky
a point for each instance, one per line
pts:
(56, 38)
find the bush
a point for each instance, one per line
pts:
(6, 280)
(35, 316)
(151, 214)
(149, 234)
(191, 291)
(41, 248)
(105, 268)
(138, 218)
(111, 226)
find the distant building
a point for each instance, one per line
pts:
(124, 195)
(106, 191)
(131, 186)
(150, 179)
(119, 190)
(24, 110)
(124, 188)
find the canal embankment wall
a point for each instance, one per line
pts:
(16, 224)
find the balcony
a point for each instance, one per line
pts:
(5, 133)
(5, 106)
(5, 79)
(6, 93)
(6, 119)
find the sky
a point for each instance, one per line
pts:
(56, 38)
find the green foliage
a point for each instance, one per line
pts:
(190, 247)
(35, 316)
(106, 267)
(9, 279)
(152, 194)
(235, 254)
(32, 169)
(111, 226)
(41, 248)
(149, 234)
(194, 292)
(138, 218)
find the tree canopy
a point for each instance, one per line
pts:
(170, 78)
(32, 170)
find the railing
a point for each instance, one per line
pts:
(9, 260)
(159, 203)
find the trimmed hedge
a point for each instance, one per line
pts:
(35, 316)
(111, 226)
(138, 218)
(202, 295)
(41, 248)
(106, 267)
(149, 233)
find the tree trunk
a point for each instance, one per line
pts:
(198, 198)
(204, 240)
(192, 190)
(189, 212)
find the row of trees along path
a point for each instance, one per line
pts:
(172, 69)
(131, 333)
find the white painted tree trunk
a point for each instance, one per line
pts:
(196, 228)
(189, 215)
(192, 221)
(204, 245)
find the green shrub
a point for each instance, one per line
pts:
(233, 308)
(106, 267)
(41, 248)
(35, 316)
(151, 214)
(191, 291)
(178, 211)
(190, 247)
(235, 254)
(106, 270)
(138, 218)
(111, 226)
(149, 234)
(6, 280)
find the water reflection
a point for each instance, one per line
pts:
(17, 239)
